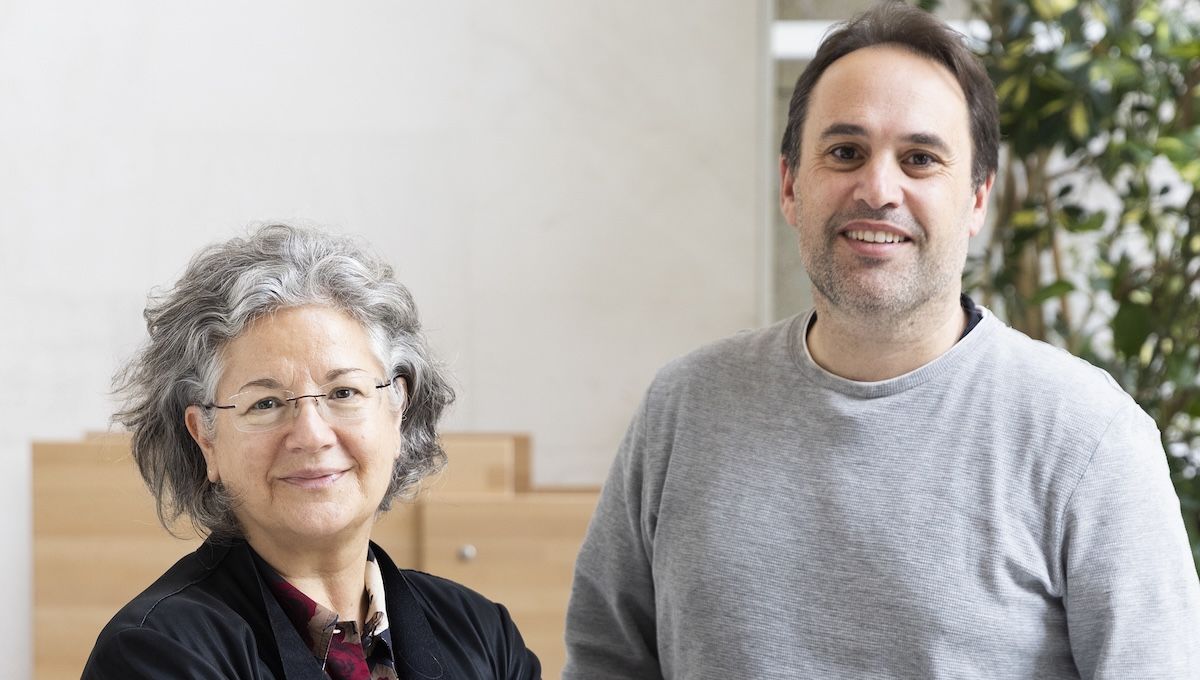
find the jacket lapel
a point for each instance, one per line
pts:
(297, 659)
(415, 649)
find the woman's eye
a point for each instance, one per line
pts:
(342, 393)
(266, 404)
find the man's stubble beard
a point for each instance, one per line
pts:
(900, 294)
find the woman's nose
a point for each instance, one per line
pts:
(310, 427)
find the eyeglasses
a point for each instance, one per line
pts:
(259, 409)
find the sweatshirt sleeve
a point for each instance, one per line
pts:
(611, 629)
(1131, 592)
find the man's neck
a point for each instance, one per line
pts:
(872, 348)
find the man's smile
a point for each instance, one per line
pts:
(874, 236)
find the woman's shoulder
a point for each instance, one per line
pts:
(478, 635)
(195, 599)
(458, 615)
(439, 595)
(188, 585)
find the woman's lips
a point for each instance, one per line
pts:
(317, 479)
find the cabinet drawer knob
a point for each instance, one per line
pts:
(467, 552)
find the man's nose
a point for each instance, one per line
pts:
(880, 183)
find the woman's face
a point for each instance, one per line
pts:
(313, 477)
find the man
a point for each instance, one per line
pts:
(895, 485)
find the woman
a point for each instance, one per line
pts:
(284, 399)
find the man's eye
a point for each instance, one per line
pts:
(921, 159)
(844, 153)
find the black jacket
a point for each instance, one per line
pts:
(211, 617)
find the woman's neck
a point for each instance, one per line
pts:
(333, 576)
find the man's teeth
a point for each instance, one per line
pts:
(875, 236)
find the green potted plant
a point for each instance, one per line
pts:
(1096, 238)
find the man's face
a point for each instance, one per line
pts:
(881, 196)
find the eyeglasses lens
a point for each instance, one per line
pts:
(260, 408)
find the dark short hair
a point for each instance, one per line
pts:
(895, 23)
(226, 287)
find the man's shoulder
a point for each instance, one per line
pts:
(1047, 361)
(1045, 373)
(744, 353)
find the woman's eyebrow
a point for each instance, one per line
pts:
(339, 372)
(269, 383)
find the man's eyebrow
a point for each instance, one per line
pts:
(844, 130)
(931, 140)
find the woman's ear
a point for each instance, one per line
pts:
(194, 419)
(401, 386)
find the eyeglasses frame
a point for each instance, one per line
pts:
(294, 400)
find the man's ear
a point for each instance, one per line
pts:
(787, 191)
(979, 206)
(194, 419)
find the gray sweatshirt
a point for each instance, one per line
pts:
(1002, 512)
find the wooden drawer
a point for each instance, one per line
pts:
(483, 464)
(519, 552)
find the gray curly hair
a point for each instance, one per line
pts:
(226, 287)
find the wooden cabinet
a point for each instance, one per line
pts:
(481, 463)
(97, 542)
(519, 551)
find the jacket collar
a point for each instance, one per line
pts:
(417, 653)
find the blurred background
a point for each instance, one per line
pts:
(574, 192)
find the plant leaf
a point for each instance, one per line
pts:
(1072, 57)
(1130, 328)
(1174, 149)
(1053, 290)
(1052, 9)
(1078, 120)
(1092, 223)
(1026, 219)
(1185, 51)
(1191, 173)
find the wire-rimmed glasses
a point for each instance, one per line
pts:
(262, 408)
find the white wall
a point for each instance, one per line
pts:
(573, 191)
